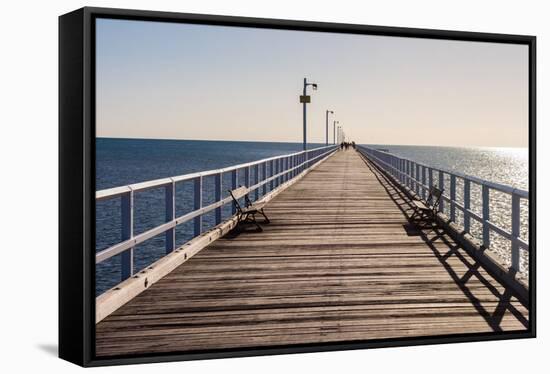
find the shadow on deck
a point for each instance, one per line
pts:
(434, 233)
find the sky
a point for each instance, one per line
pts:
(177, 81)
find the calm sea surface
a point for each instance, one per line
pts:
(508, 166)
(125, 161)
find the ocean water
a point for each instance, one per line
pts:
(126, 161)
(509, 166)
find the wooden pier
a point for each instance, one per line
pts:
(339, 262)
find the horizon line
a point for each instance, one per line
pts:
(299, 142)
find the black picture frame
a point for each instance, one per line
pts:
(77, 178)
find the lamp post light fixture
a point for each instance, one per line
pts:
(304, 99)
(326, 135)
(334, 131)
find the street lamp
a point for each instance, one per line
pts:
(334, 131)
(304, 99)
(326, 138)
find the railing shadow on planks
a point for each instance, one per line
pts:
(417, 178)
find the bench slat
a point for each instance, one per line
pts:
(419, 204)
(239, 192)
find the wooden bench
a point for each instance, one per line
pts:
(247, 213)
(427, 209)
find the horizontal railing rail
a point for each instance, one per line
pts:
(269, 173)
(418, 178)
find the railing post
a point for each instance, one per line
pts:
(485, 214)
(287, 167)
(247, 176)
(402, 170)
(170, 215)
(256, 181)
(234, 180)
(218, 197)
(264, 176)
(408, 173)
(430, 177)
(515, 231)
(197, 194)
(441, 187)
(271, 174)
(275, 172)
(452, 194)
(397, 168)
(411, 176)
(127, 219)
(417, 178)
(280, 171)
(423, 182)
(467, 205)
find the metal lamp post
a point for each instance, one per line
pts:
(334, 131)
(304, 99)
(326, 137)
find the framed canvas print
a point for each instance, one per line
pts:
(234, 186)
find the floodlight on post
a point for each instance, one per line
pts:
(326, 135)
(305, 99)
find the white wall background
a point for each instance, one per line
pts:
(28, 187)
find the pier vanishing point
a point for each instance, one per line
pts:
(340, 260)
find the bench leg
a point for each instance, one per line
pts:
(421, 216)
(251, 218)
(263, 214)
(259, 228)
(414, 215)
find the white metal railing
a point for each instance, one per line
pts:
(418, 178)
(273, 172)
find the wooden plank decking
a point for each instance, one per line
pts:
(339, 262)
